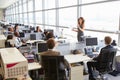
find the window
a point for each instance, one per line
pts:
(38, 4)
(68, 17)
(50, 17)
(30, 18)
(20, 8)
(24, 1)
(30, 5)
(25, 19)
(63, 3)
(90, 1)
(24, 7)
(38, 17)
(101, 35)
(16, 9)
(49, 4)
(16, 19)
(104, 16)
(21, 18)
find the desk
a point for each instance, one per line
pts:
(33, 66)
(33, 41)
(2, 41)
(76, 71)
(76, 58)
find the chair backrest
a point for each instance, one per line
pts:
(7, 44)
(107, 60)
(53, 67)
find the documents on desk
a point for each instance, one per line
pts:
(76, 58)
(34, 66)
(33, 41)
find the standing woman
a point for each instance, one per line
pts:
(80, 29)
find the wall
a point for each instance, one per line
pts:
(1, 14)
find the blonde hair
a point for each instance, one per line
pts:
(107, 40)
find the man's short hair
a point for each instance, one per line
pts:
(51, 43)
(107, 40)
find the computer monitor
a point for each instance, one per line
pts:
(36, 36)
(91, 41)
(42, 46)
(22, 34)
(32, 36)
(49, 30)
(88, 51)
(32, 28)
(26, 31)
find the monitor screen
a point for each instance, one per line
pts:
(42, 46)
(32, 28)
(22, 34)
(49, 30)
(88, 51)
(91, 41)
(32, 36)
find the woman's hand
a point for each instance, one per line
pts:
(74, 29)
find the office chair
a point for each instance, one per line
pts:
(7, 44)
(106, 64)
(53, 67)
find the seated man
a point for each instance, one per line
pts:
(95, 63)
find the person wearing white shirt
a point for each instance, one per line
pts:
(18, 41)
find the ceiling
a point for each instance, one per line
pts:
(6, 3)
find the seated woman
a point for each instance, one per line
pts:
(10, 41)
(49, 35)
(50, 52)
(38, 29)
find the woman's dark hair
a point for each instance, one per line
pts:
(50, 43)
(82, 21)
(16, 25)
(38, 28)
(49, 35)
(9, 37)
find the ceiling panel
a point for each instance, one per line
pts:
(6, 3)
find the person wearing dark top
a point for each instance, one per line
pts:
(10, 41)
(51, 52)
(16, 29)
(80, 29)
(49, 35)
(96, 60)
(38, 29)
(114, 43)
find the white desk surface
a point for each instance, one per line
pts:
(118, 53)
(33, 41)
(33, 66)
(76, 58)
(2, 37)
(69, 58)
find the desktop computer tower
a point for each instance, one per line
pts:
(12, 63)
